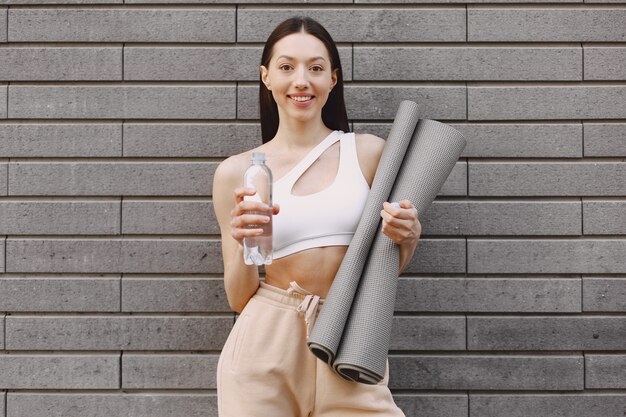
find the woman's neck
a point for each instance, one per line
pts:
(300, 136)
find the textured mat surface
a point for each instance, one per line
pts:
(363, 351)
(326, 334)
(353, 329)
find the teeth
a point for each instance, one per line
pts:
(302, 98)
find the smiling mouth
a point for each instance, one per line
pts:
(301, 99)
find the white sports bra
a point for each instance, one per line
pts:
(325, 218)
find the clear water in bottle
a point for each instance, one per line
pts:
(258, 250)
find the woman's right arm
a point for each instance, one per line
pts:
(240, 280)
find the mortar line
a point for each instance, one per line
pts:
(237, 82)
(121, 211)
(466, 315)
(119, 364)
(121, 290)
(582, 211)
(122, 204)
(466, 257)
(466, 85)
(7, 170)
(6, 236)
(466, 101)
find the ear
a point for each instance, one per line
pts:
(334, 78)
(264, 77)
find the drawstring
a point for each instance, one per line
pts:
(309, 305)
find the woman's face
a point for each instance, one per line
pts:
(299, 66)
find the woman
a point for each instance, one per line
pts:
(322, 174)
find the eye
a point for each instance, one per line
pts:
(318, 68)
(283, 66)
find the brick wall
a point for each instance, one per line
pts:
(115, 116)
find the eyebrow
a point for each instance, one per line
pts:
(312, 59)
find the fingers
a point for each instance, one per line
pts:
(243, 205)
(400, 220)
(243, 226)
(239, 233)
(249, 220)
(405, 211)
(246, 215)
(246, 206)
(397, 223)
(240, 192)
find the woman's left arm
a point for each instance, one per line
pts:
(402, 226)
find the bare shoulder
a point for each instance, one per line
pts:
(369, 149)
(369, 139)
(229, 169)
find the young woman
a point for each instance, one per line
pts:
(322, 175)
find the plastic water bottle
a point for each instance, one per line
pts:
(258, 250)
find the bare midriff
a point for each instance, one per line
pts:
(313, 269)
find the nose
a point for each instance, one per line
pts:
(301, 77)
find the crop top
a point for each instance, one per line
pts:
(325, 218)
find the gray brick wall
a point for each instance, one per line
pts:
(114, 116)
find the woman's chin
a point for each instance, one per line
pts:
(301, 114)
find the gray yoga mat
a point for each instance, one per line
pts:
(329, 326)
(363, 351)
(357, 347)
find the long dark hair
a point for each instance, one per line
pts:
(334, 113)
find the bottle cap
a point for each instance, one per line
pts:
(258, 156)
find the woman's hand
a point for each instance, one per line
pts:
(241, 221)
(401, 224)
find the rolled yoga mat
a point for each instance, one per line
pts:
(431, 156)
(327, 331)
(358, 354)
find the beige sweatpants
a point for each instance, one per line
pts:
(265, 368)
